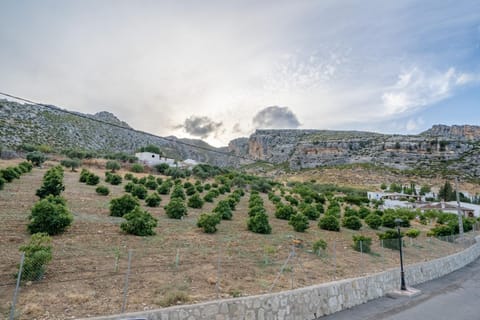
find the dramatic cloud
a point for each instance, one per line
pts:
(275, 118)
(200, 126)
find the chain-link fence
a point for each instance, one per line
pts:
(79, 283)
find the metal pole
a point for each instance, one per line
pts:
(17, 288)
(402, 273)
(459, 210)
(125, 289)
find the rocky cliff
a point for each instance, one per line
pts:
(32, 124)
(441, 148)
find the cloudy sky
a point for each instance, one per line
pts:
(217, 70)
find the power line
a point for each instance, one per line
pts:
(51, 107)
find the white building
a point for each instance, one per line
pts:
(152, 159)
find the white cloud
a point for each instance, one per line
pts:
(413, 125)
(416, 89)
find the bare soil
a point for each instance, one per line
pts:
(180, 264)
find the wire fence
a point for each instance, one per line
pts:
(77, 283)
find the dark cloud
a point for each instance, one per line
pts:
(200, 126)
(276, 118)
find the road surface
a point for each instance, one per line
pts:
(454, 297)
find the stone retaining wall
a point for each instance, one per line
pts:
(314, 301)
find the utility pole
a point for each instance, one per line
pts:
(459, 210)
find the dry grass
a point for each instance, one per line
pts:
(179, 264)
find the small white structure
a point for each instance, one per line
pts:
(152, 159)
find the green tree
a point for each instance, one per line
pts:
(123, 205)
(36, 158)
(208, 222)
(195, 201)
(153, 200)
(446, 192)
(373, 220)
(52, 183)
(259, 224)
(112, 165)
(71, 163)
(352, 222)
(299, 222)
(38, 253)
(329, 222)
(176, 209)
(139, 222)
(50, 216)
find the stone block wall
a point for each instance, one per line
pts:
(314, 301)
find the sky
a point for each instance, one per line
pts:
(218, 70)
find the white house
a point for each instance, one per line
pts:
(152, 159)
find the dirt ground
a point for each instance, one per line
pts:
(180, 264)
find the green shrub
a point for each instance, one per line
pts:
(199, 188)
(284, 212)
(52, 183)
(208, 222)
(139, 191)
(259, 224)
(151, 184)
(176, 209)
(123, 205)
(128, 176)
(71, 163)
(112, 165)
(137, 168)
(153, 200)
(352, 223)
(224, 210)
(329, 222)
(388, 220)
(92, 179)
(115, 179)
(164, 188)
(363, 212)
(27, 166)
(190, 191)
(373, 220)
(38, 253)
(207, 186)
(84, 175)
(442, 231)
(102, 190)
(350, 212)
(299, 222)
(333, 210)
(49, 215)
(178, 192)
(36, 158)
(209, 197)
(2, 182)
(362, 243)
(9, 174)
(195, 201)
(129, 187)
(310, 211)
(412, 233)
(318, 245)
(139, 222)
(142, 180)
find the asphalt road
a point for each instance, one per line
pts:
(453, 297)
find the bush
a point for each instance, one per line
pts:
(153, 200)
(284, 212)
(224, 210)
(442, 231)
(139, 191)
(36, 158)
(362, 243)
(115, 179)
(318, 245)
(350, 212)
(363, 212)
(412, 233)
(190, 191)
(178, 192)
(128, 176)
(373, 220)
(352, 223)
(209, 197)
(164, 188)
(151, 184)
(2, 182)
(27, 166)
(92, 179)
(256, 210)
(259, 224)
(195, 201)
(102, 190)
(208, 222)
(50, 216)
(38, 253)
(330, 223)
(84, 175)
(52, 183)
(112, 165)
(161, 167)
(299, 222)
(129, 187)
(139, 222)
(123, 205)
(9, 174)
(388, 220)
(176, 209)
(309, 211)
(137, 167)
(333, 210)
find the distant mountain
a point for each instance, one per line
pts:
(24, 123)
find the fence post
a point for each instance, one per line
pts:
(127, 275)
(17, 287)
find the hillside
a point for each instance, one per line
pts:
(440, 150)
(23, 123)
